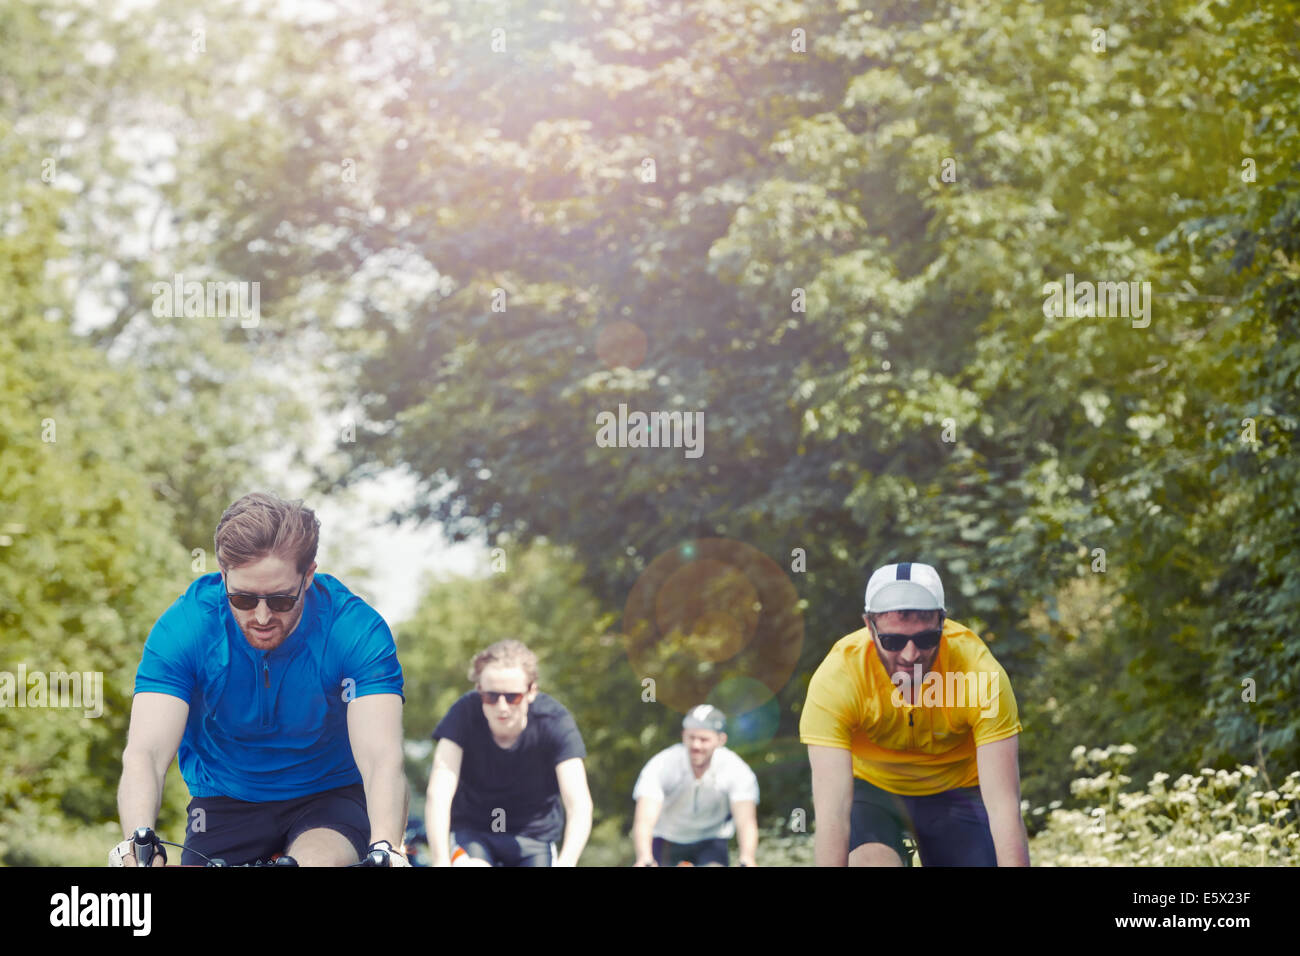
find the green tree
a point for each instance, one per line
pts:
(86, 558)
(121, 437)
(832, 228)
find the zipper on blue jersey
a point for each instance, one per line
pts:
(266, 685)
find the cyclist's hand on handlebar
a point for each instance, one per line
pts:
(395, 857)
(121, 855)
(124, 855)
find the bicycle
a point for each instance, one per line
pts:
(416, 843)
(145, 843)
(913, 850)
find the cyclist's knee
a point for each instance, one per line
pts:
(875, 854)
(472, 852)
(322, 847)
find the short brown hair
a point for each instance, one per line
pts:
(909, 614)
(509, 653)
(259, 525)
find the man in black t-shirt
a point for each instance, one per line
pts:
(508, 778)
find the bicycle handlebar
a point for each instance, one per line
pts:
(145, 842)
(142, 844)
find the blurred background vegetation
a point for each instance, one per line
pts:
(825, 225)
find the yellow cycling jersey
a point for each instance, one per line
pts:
(912, 749)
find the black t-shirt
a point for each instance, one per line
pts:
(519, 781)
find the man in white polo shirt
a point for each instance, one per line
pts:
(692, 797)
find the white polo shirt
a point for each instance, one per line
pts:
(695, 809)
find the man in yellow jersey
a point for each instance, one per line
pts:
(911, 725)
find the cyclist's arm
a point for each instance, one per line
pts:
(643, 828)
(152, 739)
(745, 813)
(832, 782)
(375, 735)
(998, 764)
(443, 779)
(571, 775)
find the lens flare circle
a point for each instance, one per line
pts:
(753, 712)
(621, 344)
(714, 615)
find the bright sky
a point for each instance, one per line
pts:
(354, 533)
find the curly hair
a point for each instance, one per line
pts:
(509, 653)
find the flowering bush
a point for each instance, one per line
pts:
(1214, 818)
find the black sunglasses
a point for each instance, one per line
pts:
(924, 640)
(492, 696)
(279, 603)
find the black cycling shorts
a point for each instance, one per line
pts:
(700, 853)
(950, 828)
(503, 849)
(240, 832)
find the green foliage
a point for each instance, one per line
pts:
(914, 176)
(119, 445)
(85, 558)
(1213, 818)
(1237, 818)
(919, 175)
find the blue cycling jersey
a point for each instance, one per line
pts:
(268, 725)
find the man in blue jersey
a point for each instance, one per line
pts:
(281, 691)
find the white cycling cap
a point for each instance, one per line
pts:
(704, 717)
(903, 587)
